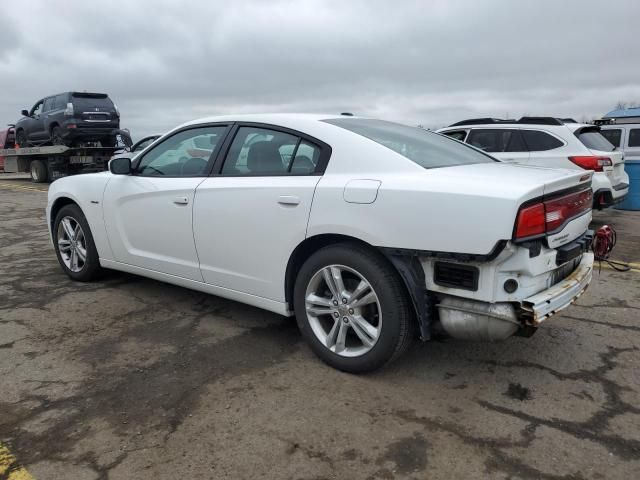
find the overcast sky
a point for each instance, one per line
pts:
(417, 62)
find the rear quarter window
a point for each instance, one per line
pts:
(456, 135)
(538, 141)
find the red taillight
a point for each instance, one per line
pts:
(531, 221)
(591, 162)
(549, 215)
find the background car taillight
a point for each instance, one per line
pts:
(548, 215)
(591, 162)
(69, 110)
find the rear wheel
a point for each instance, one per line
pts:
(352, 308)
(21, 139)
(56, 136)
(75, 248)
(39, 171)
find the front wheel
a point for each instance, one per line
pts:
(352, 308)
(75, 248)
(21, 139)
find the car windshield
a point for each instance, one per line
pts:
(427, 149)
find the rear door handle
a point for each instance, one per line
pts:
(181, 200)
(288, 200)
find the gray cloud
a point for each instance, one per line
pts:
(419, 62)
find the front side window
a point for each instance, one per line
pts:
(427, 149)
(37, 109)
(496, 140)
(538, 141)
(613, 135)
(260, 151)
(634, 137)
(185, 154)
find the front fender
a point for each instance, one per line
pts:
(87, 192)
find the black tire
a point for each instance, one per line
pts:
(91, 268)
(56, 136)
(398, 324)
(39, 171)
(21, 139)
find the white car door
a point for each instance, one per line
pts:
(148, 214)
(503, 143)
(251, 214)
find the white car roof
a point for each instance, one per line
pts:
(538, 126)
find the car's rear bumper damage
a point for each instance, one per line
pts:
(543, 305)
(475, 320)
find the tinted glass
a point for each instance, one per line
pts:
(538, 141)
(48, 104)
(37, 109)
(634, 137)
(427, 149)
(61, 101)
(184, 154)
(496, 140)
(86, 102)
(143, 144)
(457, 135)
(613, 135)
(260, 151)
(593, 140)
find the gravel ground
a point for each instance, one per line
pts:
(131, 378)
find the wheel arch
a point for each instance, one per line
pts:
(57, 205)
(409, 270)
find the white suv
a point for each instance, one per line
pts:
(550, 142)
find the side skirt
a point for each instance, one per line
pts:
(260, 302)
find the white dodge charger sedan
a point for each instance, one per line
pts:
(370, 232)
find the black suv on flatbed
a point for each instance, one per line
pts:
(69, 118)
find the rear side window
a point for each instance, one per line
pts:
(259, 151)
(84, 102)
(634, 137)
(593, 140)
(427, 149)
(456, 135)
(613, 135)
(538, 141)
(496, 140)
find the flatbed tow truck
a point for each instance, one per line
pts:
(46, 164)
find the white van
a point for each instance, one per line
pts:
(622, 129)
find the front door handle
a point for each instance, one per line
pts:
(288, 200)
(181, 200)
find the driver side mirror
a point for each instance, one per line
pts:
(120, 166)
(25, 113)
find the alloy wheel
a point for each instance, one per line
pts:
(72, 244)
(343, 310)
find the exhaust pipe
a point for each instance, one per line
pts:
(472, 320)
